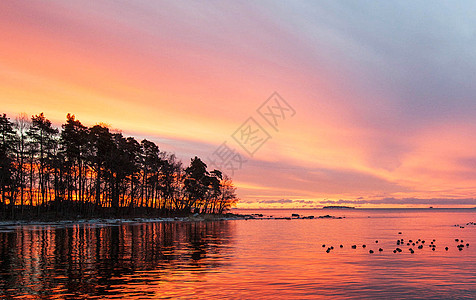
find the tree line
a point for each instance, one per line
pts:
(94, 171)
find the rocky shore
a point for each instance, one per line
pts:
(8, 224)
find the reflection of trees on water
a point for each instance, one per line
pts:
(90, 259)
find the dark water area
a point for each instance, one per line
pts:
(106, 261)
(246, 259)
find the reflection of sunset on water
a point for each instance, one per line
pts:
(93, 260)
(246, 259)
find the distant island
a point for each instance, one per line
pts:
(338, 207)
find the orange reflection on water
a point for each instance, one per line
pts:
(245, 259)
(103, 261)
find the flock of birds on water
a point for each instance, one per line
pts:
(417, 244)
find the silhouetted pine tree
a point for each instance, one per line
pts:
(8, 183)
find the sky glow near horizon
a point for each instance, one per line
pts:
(384, 93)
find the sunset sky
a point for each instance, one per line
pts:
(384, 93)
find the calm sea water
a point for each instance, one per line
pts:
(254, 259)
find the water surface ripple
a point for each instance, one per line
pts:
(246, 259)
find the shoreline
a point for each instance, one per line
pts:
(124, 220)
(130, 220)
